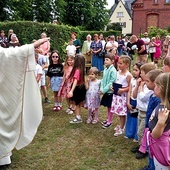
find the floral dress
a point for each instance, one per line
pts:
(93, 95)
(119, 102)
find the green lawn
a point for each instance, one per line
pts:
(59, 145)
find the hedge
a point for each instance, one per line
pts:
(59, 34)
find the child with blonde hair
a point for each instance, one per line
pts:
(154, 101)
(66, 82)
(158, 132)
(92, 101)
(120, 89)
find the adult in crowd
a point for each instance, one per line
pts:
(86, 46)
(168, 53)
(3, 39)
(142, 55)
(21, 107)
(157, 54)
(14, 42)
(165, 47)
(10, 32)
(96, 47)
(121, 45)
(76, 42)
(146, 40)
(111, 43)
(152, 48)
(55, 22)
(129, 49)
(126, 40)
(101, 38)
(45, 46)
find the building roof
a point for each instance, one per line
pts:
(127, 5)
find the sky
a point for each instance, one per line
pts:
(110, 3)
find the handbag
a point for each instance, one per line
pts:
(102, 54)
(152, 49)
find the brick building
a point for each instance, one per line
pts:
(148, 13)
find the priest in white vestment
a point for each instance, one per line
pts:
(20, 99)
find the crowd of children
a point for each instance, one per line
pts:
(141, 98)
(138, 99)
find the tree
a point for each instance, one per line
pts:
(16, 10)
(114, 26)
(37, 10)
(3, 15)
(95, 14)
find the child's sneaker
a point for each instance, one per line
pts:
(70, 112)
(117, 127)
(106, 126)
(88, 121)
(104, 122)
(118, 132)
(134, 140)
(59, 108)
(76, 120)
(67, 111)
(94, 121)
(54, 108)
(46, 100)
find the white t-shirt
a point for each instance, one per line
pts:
(71, 49)
(111, 44)
(38, 71)
(146, 40)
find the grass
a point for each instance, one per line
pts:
(59, 145)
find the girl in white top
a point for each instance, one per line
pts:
(131, 121)
(119, 105)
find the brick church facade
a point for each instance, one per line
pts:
(148, 13)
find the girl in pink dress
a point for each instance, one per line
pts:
(119, 100)
(66, 83)
(157, 54)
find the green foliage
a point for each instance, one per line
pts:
(114, 26)
(168, 29)
(59, 145)
(27, 31)
(69, 12)
(153, 31)
(59, 34)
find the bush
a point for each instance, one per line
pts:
(27, 31)
(59, 34)
(153, 31)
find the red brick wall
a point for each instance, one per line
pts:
(143, 8)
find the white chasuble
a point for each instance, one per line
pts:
(20, 98)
